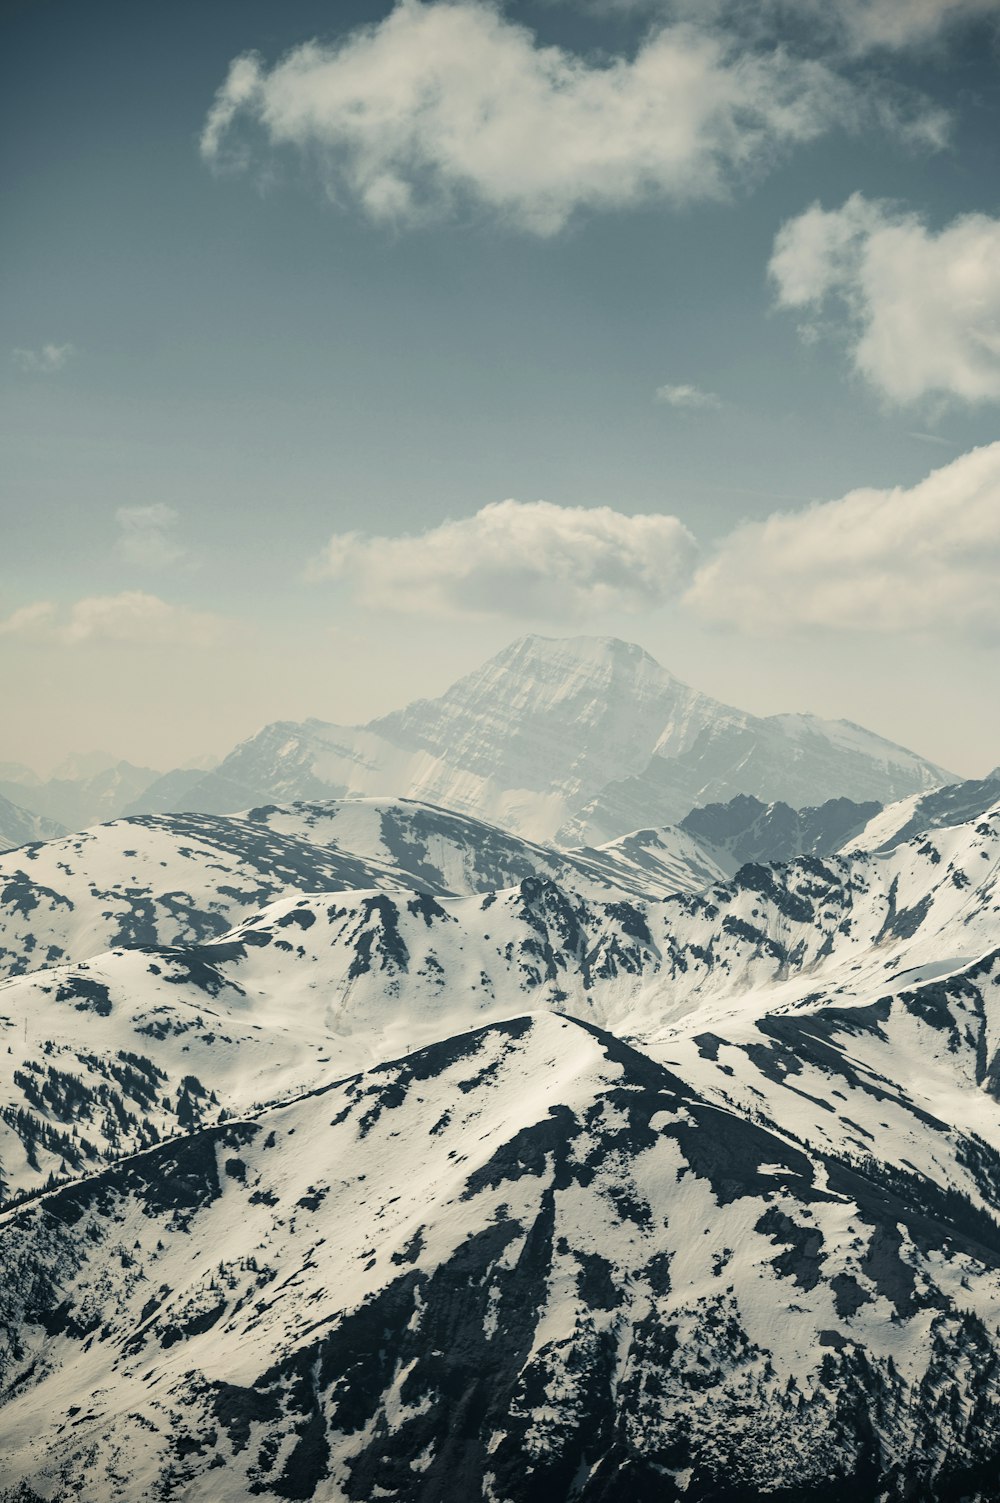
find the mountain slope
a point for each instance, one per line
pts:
(798, 760)
(583, 739)
(543, 722)
(539, 1195)
(526, 1264)
(335, 981)
(147, 881)
(18, 826)
(439, 850)
(942, 808)
(185, 878)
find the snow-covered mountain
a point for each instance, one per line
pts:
(170, 880)
(798, 760)
(580, 739)
(438, 850)
(524, 1264)
(323, 982)
(942, 808)
(745, 829)
(18, 826)
(186, 878)
(337, 1177)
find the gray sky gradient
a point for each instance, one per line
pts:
(234, 380)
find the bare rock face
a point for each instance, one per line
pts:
(745, 829)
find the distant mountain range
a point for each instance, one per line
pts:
(745, 829)
(575, 741)
(19, 825)
(79, 799)
(85, 789)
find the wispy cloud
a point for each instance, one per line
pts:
(925, 558)
(146, 536)
(28, 620)
(895, 25)
(131, 617)
(932, 438)
(45, 361)
(530, 559)
(853, 29)
(920, 309)
(691, 397)
(447, 103)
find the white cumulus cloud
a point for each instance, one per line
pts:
(921, 308)
(446, 102)
(519, 559)
(44, 361)
(146, 536)
(131, 617)
(688, 396)
(900, 560)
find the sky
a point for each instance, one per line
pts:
(342, 344)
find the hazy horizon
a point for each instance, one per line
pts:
(83, 760)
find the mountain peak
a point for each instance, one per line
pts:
(88, 764)
(603, 658)
(585, 648)
(594, 675)
(548, 716)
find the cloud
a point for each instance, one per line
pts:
(926, 558)
(687, 396)
(132, 617)
(519, 559)
(932, 438)
(46, 361)
(447, 103)
(900, 24)
(145, 536)
(135, 617)
(853, 27)
(28, 620)
(921, 309)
